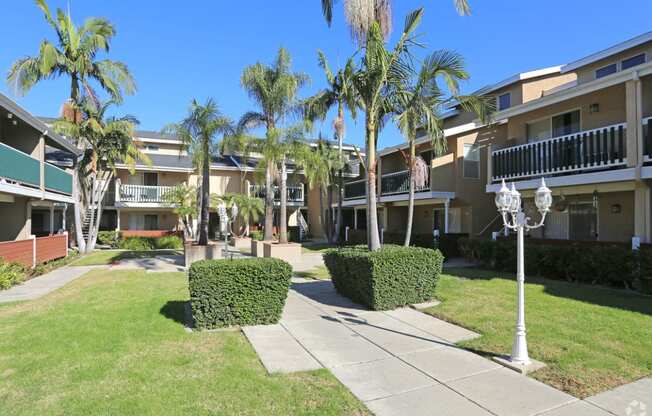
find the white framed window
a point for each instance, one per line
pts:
(557, 125)
(504, 101)
(151, 222)
(152, 148)
(471, 163)
(632, 61)
(606, 70)
(150, 178)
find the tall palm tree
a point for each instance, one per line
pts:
(74, 55)
(381, 75)
(184, 199)
(418, 110)
(198, 133)
(338, 93)
(273, 88)
(360, 14)
(106, 141)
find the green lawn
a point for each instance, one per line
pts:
(112, 343)
(318, 273)
(591, 338)
(101, 257)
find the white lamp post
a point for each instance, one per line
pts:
(508, 202)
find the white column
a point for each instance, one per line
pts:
(355, 218)
(117, 222)
(118, 183)
(446, 206)
(63, 217)
(51, 218)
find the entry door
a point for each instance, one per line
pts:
(583, 218)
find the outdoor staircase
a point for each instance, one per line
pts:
(91, 212)
(303, 226)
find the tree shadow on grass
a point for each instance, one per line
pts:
(593, 294)
(178, 311)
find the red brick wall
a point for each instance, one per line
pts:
(150, 233)
(50, 248)
(17, 251)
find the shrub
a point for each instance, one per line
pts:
(384, 279)
(11, 274)
(109, 238)
(256, 235)
(170, 242)
(238, 292)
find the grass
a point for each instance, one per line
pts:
(102, 257)
(318, 273)
(591, 338)
(112, 343)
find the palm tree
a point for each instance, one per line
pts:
(105, 141)
(249, 209)
(360, 14)
(380, 76)
(340, 93)
(418, 110)
(273, 88)
(184, 199)
(74, 55)
(198, 132)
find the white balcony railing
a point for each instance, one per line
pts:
(143, 193)
(595, 149)
(295, 192)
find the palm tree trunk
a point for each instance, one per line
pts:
(322, 218)
(283, 218)
(340, 139)
(373, 242)
(269, 204)
(81, 243)
(205, 195)
(411, 163)
(332, 234)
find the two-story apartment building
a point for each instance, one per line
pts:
(34, 194)
(584, 126)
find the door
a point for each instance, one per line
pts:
(151, 222)
(583, 218)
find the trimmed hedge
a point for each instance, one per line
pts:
(384, 279)
(170, 242)
(238, 292)
(611, 265)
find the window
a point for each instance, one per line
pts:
(633, 61)
(606, 70)
(151, 148)
(504, 101)
(471, 164)
(583, 221)
(150, 179)
(538, 130)
(151, 222)
(567, 123)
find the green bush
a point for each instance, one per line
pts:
(595, 264)
(11, 274)
(384, 279)
(238, 292)
(109, 238)
(170, 242)
(256, 235)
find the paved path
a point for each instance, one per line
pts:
(161, 263)
(42, 285)
(404, 362)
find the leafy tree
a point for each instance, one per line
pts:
(273, 88)
(418, 105)
(106, 142)
(249, 210)
(339, 93)
(361, 14)
(199, 134)
(74, 55)
(184, 199)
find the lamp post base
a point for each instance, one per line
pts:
(519, 367)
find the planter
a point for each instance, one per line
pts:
(193, 252)
(289, 252)
(240, 242)
(257, 248)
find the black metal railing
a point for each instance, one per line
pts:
(399, 183)
(647, 138)
(587, 150)
(356, 189)
(295, 193)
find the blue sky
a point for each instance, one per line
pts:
(199, 49)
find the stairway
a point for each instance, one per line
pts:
(303, 226)
(86, 220)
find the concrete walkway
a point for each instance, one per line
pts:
(42, 285)
(403, 362)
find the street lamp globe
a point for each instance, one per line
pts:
(516, 199)
(543, 198)
(503, 199)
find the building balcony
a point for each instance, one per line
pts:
(295, 193)
(142, 194)
(399, 183)
(25, 170)
(647, 139)
(355, 189)
(579, 153)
